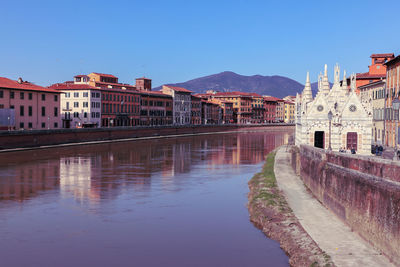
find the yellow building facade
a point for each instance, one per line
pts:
(375, 94)
(289, 108)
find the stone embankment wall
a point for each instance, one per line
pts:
(36, 138)
(363, 191)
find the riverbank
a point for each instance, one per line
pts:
(21, 140)
(270, 212)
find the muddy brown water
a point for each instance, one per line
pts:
(165, 202)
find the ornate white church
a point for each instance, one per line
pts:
(336, 118)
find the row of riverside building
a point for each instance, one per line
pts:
(100, 100)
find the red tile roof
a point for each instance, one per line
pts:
(203, 95)
(105, 75)
(254, 94)
(366, 75)
(382, 55)
(179, 89)
(271, 98)
(235, 93)
(80, 75)
(11, 84)
(116, 84)
(71, 86)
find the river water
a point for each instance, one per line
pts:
(161, 202)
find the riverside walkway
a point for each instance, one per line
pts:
(332, 235)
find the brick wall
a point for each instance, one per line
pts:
(361, 191)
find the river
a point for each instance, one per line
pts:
(161, 202)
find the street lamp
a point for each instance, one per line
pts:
(330, 122)
(396, 106)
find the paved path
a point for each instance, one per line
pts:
(334, 237)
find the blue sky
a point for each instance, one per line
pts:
(174, 41)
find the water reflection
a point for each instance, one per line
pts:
(181, 199)
(98, 172)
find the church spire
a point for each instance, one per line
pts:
(336, 79)
(325, 82)
(307, 93)
(344, 83)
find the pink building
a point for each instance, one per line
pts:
(24, 105)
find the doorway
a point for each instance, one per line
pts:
(319, 140)
(352, 140)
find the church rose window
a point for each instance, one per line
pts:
(320, 108)
(352, 108)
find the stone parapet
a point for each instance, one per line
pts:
(363, 191)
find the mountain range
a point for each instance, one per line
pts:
(278, 86)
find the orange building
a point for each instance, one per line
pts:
(241, 105)
(376, 71)
(226, 110)
(280, 110)
(257, 108)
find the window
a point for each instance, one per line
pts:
(30, 96)
(30, 125)
(21, 125)
(76, 94)
(43, 97)
(85, 104)
(76, 114)
(21, 111)
(11, 106)
(55, 98)
(76, 104)
(93, 94)
(97, 95)
(43, 111)
(85, 115)
(21, 95)
(85, 94)
(30, 111)
(55, 112)
(1, 94)
(12, 95)
(43, 125)
(55, 125)
(67, 95)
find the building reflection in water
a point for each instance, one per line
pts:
(102, 172)
(22, 180)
